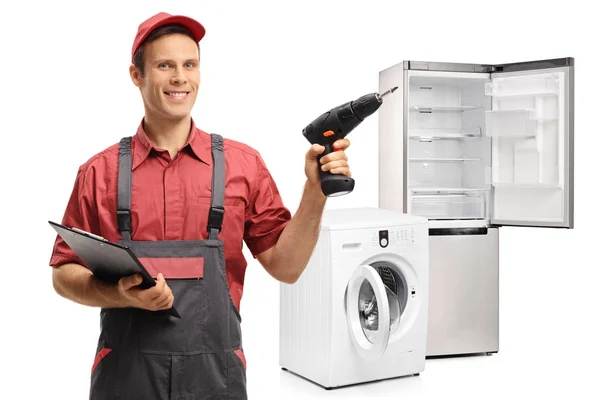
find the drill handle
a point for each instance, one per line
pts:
(328, 149)
(333, 184)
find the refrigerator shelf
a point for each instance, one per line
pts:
(450, 136)
(446, 190)
(427, 135)
(442, 108)
(524, 113)
(444, 136)
(543, 186)
(521, 95)
(525, 202)
(442, 159)
(546, 85)
(514, 123)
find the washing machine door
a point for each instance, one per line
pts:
(368, 312)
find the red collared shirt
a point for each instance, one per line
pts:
(171, 200)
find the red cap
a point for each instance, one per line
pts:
(162, 19)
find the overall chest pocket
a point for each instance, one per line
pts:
(174, 267)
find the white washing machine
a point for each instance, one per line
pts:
(359, 311)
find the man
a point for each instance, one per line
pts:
(183, 201)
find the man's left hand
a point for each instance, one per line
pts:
(335, 162)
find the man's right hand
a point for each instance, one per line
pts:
(156, 298)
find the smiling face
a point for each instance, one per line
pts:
(171, 76)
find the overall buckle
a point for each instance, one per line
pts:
(215, 218)
(124, 220)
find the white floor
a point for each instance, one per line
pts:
(559, 371)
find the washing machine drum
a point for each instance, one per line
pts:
(376, 298)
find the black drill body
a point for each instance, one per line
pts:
(334, 125)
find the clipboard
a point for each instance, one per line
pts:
(108, 261)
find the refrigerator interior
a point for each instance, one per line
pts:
(485, 147)
(449, 156)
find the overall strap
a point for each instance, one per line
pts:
(217, 211)
(215, 216)
(124, 189)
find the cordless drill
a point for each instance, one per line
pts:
(336, 124)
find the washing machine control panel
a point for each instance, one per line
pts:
(394, 237)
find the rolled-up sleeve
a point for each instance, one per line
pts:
(266, 216)
(79, 213)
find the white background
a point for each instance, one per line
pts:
(267, 71)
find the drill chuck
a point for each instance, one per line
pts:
(369, 103)
(366, 105)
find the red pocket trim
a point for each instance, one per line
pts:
(240, 354)
(174, 268)
(101, 354)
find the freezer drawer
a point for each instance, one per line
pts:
(463, 300)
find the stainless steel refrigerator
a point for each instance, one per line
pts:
(473, 148)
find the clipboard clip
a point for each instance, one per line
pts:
(88, 234)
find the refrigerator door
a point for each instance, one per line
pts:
(463, 293)
(531, 128)
(393, 175)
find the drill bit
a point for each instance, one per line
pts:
(392, 90)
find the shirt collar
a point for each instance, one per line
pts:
(198, 141)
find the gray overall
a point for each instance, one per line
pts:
(152, 355)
